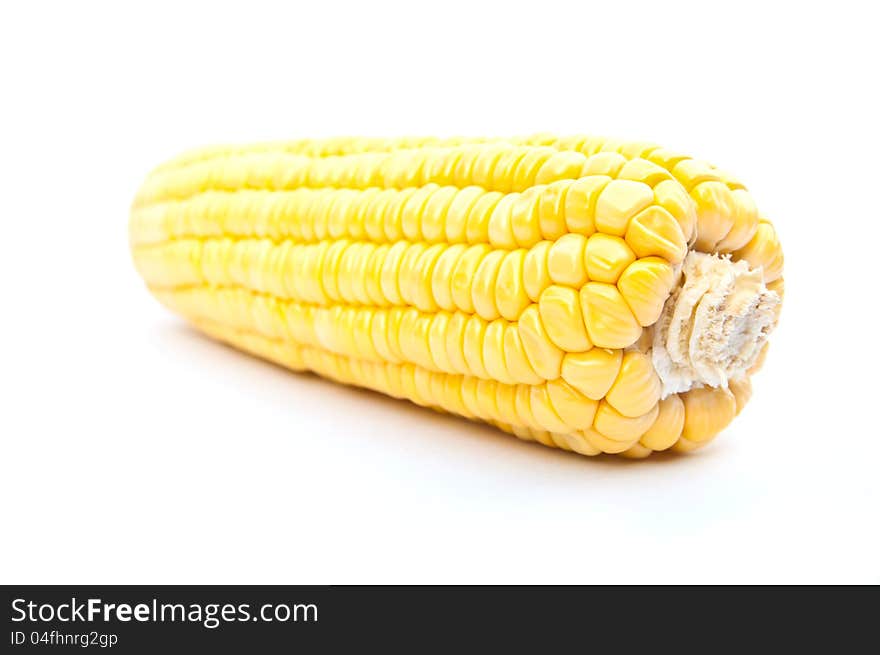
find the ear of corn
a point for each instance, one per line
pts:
(522, 282)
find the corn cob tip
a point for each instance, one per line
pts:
(714, 325)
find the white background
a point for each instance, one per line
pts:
(136, 451)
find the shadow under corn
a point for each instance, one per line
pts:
(449, 432)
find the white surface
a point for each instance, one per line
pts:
(134, 450)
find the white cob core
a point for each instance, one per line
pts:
(714, 324)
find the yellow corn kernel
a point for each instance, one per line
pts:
(580, 203)
(536, 274)
(434, 214)
(441, 277)
(562, 318)
(411, 217)
(422, 284)
(455, 227)
(469, 396)
(572, 142)
(525, 220)
(715, 213)
(389, 274)
(579, 444)
(437, 341)
(544, 356)
(483, 285)
(645, 285)
(592, 372)
(399, 171)
(505, 166)
(484, 165)
(707, 411)
(487, 400)
(686, 446)
(670, 195)
(619, 201)
(544, 412)
(455, 342)
(510, 292)
(516, 359)
(655, 231)
(500, 228)
(603, 163)
(474, 331)
(374, 224)
(544, 438)
(642, 170)
(414, 339)
(505, 401)
(361, 254)
(745, 222)
(551, 209)
(565, 261)
(477, 222)
(637, 387)
(667, 427)
(636, 451)
(464, 167)
(576, 410)
(732, 183)
(591, 144)
(493, 352)
(691, 172)
(373, 275)
(527, 168)
(638, 150)
(613, 425)
(609, 321)
(606, 257)
(665, 158)
(763, 251)
(164, 267)
(393, 219)
(439, 167)
(463, 276)
(561, 166)
(522, 402)
(408, 275)
(379, 337)
(742, 392)
(605, 444)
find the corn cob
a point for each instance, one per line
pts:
(589, 294)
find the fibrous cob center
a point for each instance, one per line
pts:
(714, 325)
